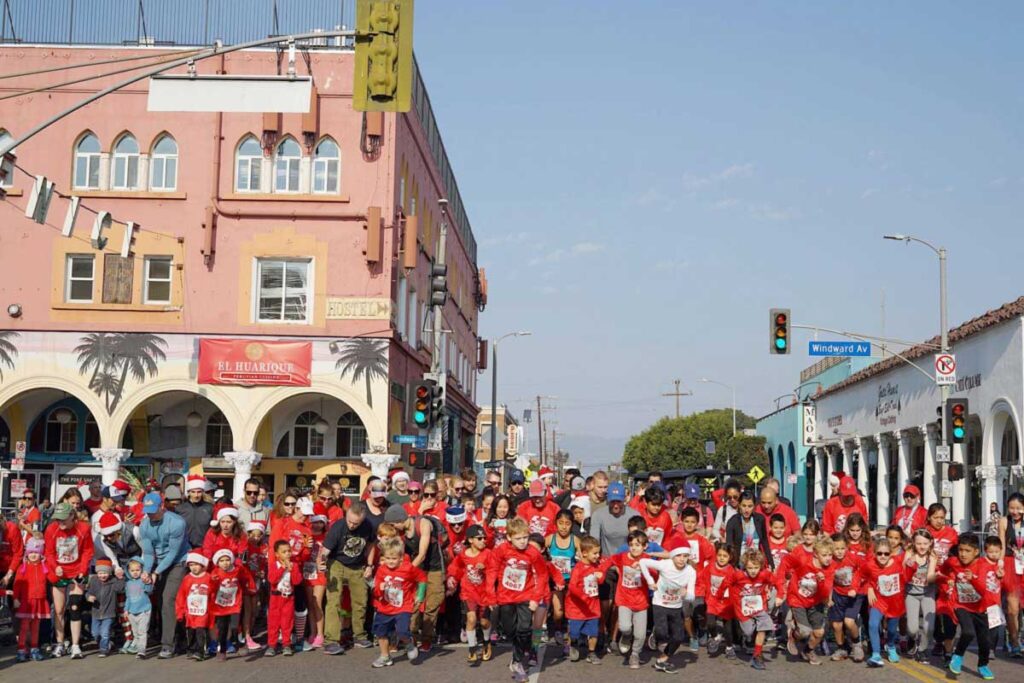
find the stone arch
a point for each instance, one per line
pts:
(91, 401)
(215, 395)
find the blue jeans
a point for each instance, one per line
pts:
(101, 632)
(892, 631)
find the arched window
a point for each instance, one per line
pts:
(7, 177)
(248, 161)
(351, 436)
(163, 165)
(218, 435)
(286, 166)
(92, 434)
(61, 431)
(307, 441)
(125, 174)
(87, 163)
(326, 165)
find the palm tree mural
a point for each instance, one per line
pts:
(7, 350)
(111, 357)
(364, 358)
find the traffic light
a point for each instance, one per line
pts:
(438, 284)
(955, 471)
(423, 460)
(383, 59)
(428, 404)
(779, 330)
(956, 420)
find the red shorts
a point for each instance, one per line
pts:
(1012, 581)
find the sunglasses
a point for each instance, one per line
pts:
(28, 497)
(459, 488)
(414, 492)
(732, 497)
(909, 495)
(430, 495)
(289, 503)
(252, 493)
(882, 554)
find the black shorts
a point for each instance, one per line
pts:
(844, 607)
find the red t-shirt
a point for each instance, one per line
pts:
(582, 600)
(845, 576)
(470, 573)
(748, 595)
(792, 521)
(993, 584)
(945, 538)
(779, 549)
(910, 519)
(861, 549)
(70, 549)
(659, 526)
(968, 584)
(810, 584)
(513, 574)
(835, 514)
(394, 590)
(215, 541)
(227, 589)
(92, 505)
(192, 604)
(889, 584)
(631, 590)
(295, 533)
(712, 577)
(541, 520)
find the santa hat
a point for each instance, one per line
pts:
(227, 511)
(399, 474)
(196, 558)
(223, 552)
(195, 481)
(256, 525)
(83, 488)
(120, 488)
(109, 523)
(455, 515)
(545, 471)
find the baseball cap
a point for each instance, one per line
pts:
(62, 511)
(537, 489)
(847, 487)
(691, 491)
(616, 492)
(172, 492)
(415, 486)
(517, 477)
(378, 490)
(476, 531)
(306, 506)
(912, 490)
(151, 503)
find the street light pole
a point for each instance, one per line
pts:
(943, 343)
(494, 389)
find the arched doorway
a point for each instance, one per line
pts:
(1010, 458)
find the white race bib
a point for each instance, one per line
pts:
(965, 593)
(513, 579)
(844, 576)
(694, 552)
(590, 588)
(631, 577)
(656, 535)
(309, 571)
(196, 603)
(394, 596)
(995, 616)
(808, 586)
(671, 597)
(1018, 561)
(563, 564)
(67, 549)
(538, 525)
(226, 594)
(751, 604)
(889, 584)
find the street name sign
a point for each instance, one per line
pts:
(838, 348)
(417, 440)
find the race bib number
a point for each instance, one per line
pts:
(1018, 561)
(513, 579)
(694, 552)
(631, 577)
(590, 588)
(889, 585)
(808, 586)
(196, 604)
(751, 604)
(67, 549)
(309, 571)
(226, 594)
(995, 616)
(671, 597)
(920, 577)
(562, 564)
(394, 596)
(538, 525)
(844, 577)
(966, 594)
(656, 535)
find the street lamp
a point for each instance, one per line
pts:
(943, 321)
(733, 389)
(494, 387)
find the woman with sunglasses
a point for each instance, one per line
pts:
(295, 528)
(334, 509)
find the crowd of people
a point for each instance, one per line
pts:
(575, 565)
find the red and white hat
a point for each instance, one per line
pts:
(227, 511)
(122, 488)
(545, 471)
(197, 558)
(195, 481)
(109, 523)
(256, 525)
(223, 552)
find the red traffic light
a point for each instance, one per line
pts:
(781, 319)
(422, 391)
(958, 409)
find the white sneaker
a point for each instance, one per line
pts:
(58, 650)
(76, 652)
(412, 652)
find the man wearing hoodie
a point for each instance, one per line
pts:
(196, 511)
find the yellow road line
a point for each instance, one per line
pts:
(943, 674)
(922, 674)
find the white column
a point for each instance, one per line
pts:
(380, 463)
(958, 515)
(862, 465)
(111, 459)
(903, 459)
(848, 457)
(243, 462)
(930, 489)
(882, 511)
(819, 476)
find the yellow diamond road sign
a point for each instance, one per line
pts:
(755, 474)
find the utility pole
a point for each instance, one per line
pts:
(540, 431)
(678, 394)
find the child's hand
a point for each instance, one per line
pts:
(533, 605)
(851, 594)
(999, 572)
(90, 598)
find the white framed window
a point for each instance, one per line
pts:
(61, 437)
(286, 166)
(307, 441)
(248, 164)
(284, 290)
(125, 171)
(87, 163)
(157, 282)
(352, 441)
(163, 165)
(8, 180)
(326, 167)
(218, 435)
(79, 278)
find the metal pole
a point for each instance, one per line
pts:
(733, 411)
(944, 337)
(540, 432)
(494, 401)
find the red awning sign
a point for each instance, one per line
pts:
(249, 362)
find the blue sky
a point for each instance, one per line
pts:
(646, 179)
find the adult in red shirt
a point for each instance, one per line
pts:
(295, 529)
(839, 508)
(67, 551)
(770, 505)
(95, 499)
(11, 549)
(539, 511)
(910, 516)
(29, 517)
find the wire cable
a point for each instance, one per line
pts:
(118, 60)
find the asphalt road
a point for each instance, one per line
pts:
(449, 664)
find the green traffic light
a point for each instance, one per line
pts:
(419, 417)
(780, 344)
(958, 432)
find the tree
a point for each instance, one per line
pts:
(365, 358)
(8, 350)
(678, 443)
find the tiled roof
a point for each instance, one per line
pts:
(1009, 311)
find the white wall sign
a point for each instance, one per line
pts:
(810, 426)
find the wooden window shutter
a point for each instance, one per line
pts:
(118, 277)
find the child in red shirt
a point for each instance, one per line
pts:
(778, 541)
(659, 522)
(748, 589)
(467, 575)
(967, 574)
(192, 604)
(582, 601)
(398, 590)
(885, 580)
(512, 571)
(631, 597)
(256, 562)
(30, 604)
(284, 575)
(808, 593)
(847, 600)
(230, 581)
(719, 607)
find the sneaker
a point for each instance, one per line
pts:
(921, 656)
(488, 652)
(306, 646)
(287, 651)
(986, 673)
(473, 657)
(58, 651)
(1015, 651)
(634, 661)
(139, 657)
(251, 645)
(166, 653)
(101, 653)
(793, 645)
(812, 657)
(664, 667)
(128, 648)
(694, 645)
(531, 660)
(76, 652)
(232, 648)
(270, 651)
(211, 649)
(363, 643)
(758, 662)
(714, 645)
(730, 652)
(839, 655)
(574, 653)
(876, 660)
(956, 664)
(21, 657)
(857, 653)
(894, 656)
(625, 643)
(334, 649)
(381, 662)
(36, 655)
(412, 652)
(592, 658)
(519, 673)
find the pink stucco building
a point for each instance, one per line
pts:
(255, 228)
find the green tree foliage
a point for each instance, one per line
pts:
(679, 443)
